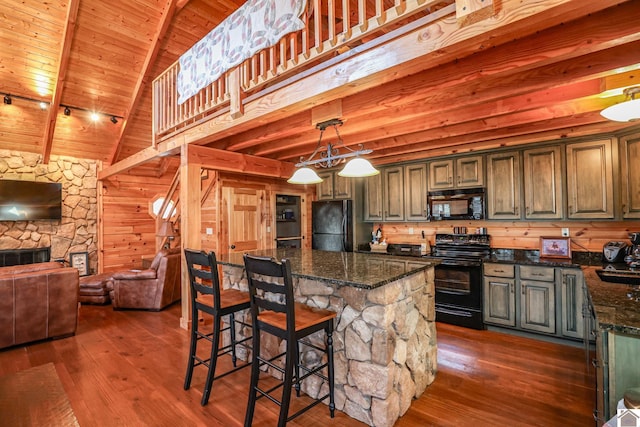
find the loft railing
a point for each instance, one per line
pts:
(331, 27)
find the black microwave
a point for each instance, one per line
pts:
(467, 203)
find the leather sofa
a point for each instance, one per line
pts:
(37, 301)
(150, 289)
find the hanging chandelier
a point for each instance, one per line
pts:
(330, 156)
(626, 111)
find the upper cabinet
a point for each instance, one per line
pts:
(590, 180)
(415, 192)
(393, 193)
(503, 185)
(373, 198)
(630, 159)
(462, 172)
(543, 183)
(334, 186)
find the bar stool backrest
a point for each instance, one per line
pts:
(203, 275)
(270, 289)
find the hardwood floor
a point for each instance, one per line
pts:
(126, 368)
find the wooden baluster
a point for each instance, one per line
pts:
(381, 13)
(331, 18)
(346, 23)
(293, 47)
(317, 25)
(363, 23)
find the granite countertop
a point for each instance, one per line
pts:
(614, 308)
(360, 270)
(532, 257)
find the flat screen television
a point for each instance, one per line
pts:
(30, 200)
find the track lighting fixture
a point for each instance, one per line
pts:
(43, 105)
(67, 111)
(7, 99)
(95, 116)
(114, 120)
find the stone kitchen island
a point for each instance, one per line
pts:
(385, 333)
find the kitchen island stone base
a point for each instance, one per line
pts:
(384, 341)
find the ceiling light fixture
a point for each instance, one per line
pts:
(67, 111)
(626, 111)
(330, 156)
(114, 120)
(95, 117)
(7, 99)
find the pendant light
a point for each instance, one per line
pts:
(626, 111)
(330, 156)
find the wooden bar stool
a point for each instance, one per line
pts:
(274, 311)
(206, 296)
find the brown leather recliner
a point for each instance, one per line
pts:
(150, 289)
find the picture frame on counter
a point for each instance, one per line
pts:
(555, 247)
(80, 260)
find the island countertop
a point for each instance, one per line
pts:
(366, 271)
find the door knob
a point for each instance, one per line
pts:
(232, 246)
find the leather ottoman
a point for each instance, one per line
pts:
(93, 289)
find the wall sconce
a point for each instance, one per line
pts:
(626, 111)
(330, 156)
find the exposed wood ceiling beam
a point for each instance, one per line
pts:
(235, 162)
(144, 75)
(61, 72)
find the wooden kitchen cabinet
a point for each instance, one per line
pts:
(415, 192)
(630, 159)
(590, 180)
(373, 198)
(462, 172)
(499, 294)
(572, 303)
(503, 185)
(537, 299)
(334, 186)
(543, 183)
(393, 193)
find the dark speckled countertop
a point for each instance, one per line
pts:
(612, 302)
(366, 271)
(532, 257)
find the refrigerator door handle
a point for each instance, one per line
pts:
(344, 226)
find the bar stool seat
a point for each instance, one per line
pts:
(207, 297)
(274, 311)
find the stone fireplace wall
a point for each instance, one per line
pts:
(77, 231)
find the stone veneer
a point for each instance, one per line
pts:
(391, 355)
(77, 230)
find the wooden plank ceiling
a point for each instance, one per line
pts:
(547, 82)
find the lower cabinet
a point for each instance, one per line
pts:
(536, 299)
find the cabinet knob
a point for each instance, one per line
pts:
(459, 180)
(511, 287)
(524, 288)
(517, 210)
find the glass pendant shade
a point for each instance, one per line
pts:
(624, 112)
(304, 176)
(358, 167)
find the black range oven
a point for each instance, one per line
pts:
(458, 278)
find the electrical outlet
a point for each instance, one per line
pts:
(565, 232)
(209, 230)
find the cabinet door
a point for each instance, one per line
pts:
(341, 186)
(440, 175)
(503, 185)
(537, 306)
(393, 194)
(630, 153)
(572, 303)
(324, 189)
(415, 192)
(373, 198)
(469, 172)
(543, 183)
(590, 180)
(499, 301)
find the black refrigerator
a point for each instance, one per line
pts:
(337, 226)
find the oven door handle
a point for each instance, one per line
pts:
(453, 312)
(460, 263)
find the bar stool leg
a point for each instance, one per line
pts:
(330, 369)
(297, 367)
(291, 359)
(212, 361)
(192, 350)
(232, 333)
(255, 374)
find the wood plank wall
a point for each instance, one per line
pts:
(128, 230)
(585, 235)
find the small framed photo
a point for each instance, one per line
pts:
(555, 247)
(80, 260)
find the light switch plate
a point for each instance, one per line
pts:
(565, 232)
(209, 230)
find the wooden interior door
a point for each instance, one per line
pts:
(244, 219)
